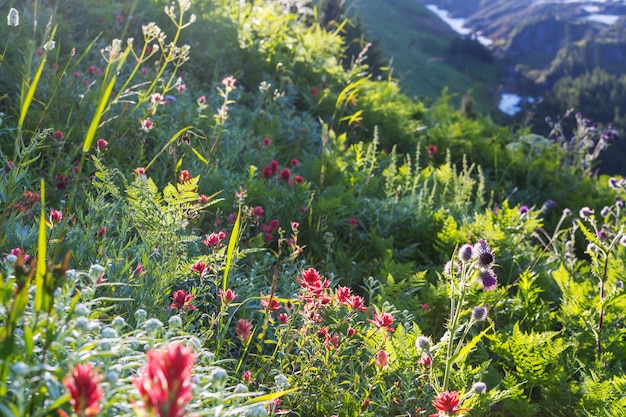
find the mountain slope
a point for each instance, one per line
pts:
(421, 50)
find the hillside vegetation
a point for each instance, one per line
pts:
(227, 208)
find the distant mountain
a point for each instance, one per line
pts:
(536, 37)
(533, 58)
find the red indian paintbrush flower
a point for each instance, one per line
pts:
(181, 300)
(447, 403)
(164, 383)
(85, 394)
(383, 319)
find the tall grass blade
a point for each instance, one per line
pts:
(231, 249)
(25, 105)
(40, 273)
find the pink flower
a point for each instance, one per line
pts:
(85, 395)
(243, 330)
(353, 222)
(56, 216)
(270, 304)
(184, 176)
(164, 383)
(138, 270)
(382, 360)
(267, 141)
(432, 150)
(285, 174)
(58, 135)
(257, 211)
(298, 179)
(229, 83)
(343, 294)
(201, 100)
(213, 239)
(357, 303)
(283, 318)
(147, 125)
(102, 232)
(101, 144)
(157, 98)
(382, 320)
(274, 223)
(17, 252)
(203, 199)
(247, 377)
(313, 90)
(140, 171)
(119, 18)
(181, 300)
(294, 162)
(181, 88)
(227, 296)
(201, 268)
(425, 361)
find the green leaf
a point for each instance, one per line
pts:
(231, 249)
(40, 274)
(591, 237)
(271, 396)
(459, 357)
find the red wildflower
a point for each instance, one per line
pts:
(257, 211)
(243, 330)
(247, 377)
(227, 296)
(184, 176)
(343, 294)
(267, 141)
(334, 341)
(182, 300)
(85, 394)
(274, 166)
(298, 179)
(447, 403)
(203, 199)
(58, 135)
(285, 174)
(274, 223)
(382, 320)
(357, 303)
(101, 144)
(270, 304)
(201, 268)
(102, 232)
(294, 162)
(353, 222)
(283, 318)
(140, 171)
(56, 216)
(313, 90)
(164, 382)
(425, 361)
(432, 150)
(62, 181)
(382, 360)
(213, 239)
(267, 172)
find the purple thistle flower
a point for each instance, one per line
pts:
(488, 279)
(466, 253)
(523, 209)
(484, 256)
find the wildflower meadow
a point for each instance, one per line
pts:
(212, 208)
